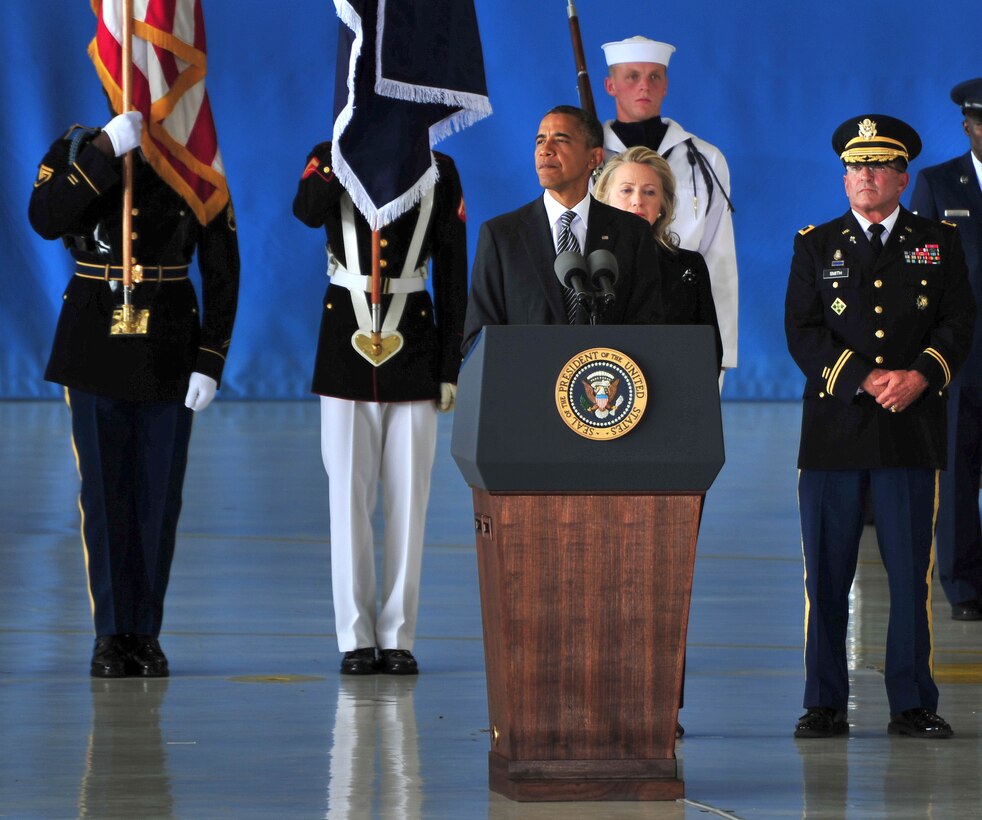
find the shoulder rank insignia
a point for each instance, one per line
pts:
(44, 174)
(806, 229)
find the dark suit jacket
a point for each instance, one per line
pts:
(846, 314)
(513, 282)
(950, 191)
(687, 293)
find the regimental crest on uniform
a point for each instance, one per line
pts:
(601, 394)
(922, 302)
(838, 306)
(44, 174)
(928, 255)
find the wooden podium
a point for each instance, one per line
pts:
(585, 552)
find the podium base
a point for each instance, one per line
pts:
(568, 780)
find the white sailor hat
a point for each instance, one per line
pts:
(637, 50)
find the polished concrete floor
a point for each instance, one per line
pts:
(255, 722)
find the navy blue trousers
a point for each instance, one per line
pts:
(959, 535)
(131, 459)
(832, 505)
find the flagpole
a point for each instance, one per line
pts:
(376, 291)
(127, 105)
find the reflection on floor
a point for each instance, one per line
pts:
(256, 722)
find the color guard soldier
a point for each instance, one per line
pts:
(953, 191)
(879, 317)
(132, 395)
(378, 413)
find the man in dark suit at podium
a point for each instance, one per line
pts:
(953, 191)
(513, 281)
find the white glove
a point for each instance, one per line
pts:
(201, 390)
(125, 131)
(448, 395)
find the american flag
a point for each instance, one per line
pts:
(169, 66)
(409, 73)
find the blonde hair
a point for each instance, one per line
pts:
(645, 156)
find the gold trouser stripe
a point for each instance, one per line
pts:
(85, 546)
(930, 572)
(940, 360)
(843, 358)
(804, 578)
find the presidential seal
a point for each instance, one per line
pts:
(601, 394)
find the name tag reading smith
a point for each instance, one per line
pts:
(601, 393)
(835, 273)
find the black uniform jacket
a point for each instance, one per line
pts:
(513, 281)
(431, 349)
(81, 203)
(950, 191)
(687, 294)
(846, 315)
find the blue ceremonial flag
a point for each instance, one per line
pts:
(409, 73)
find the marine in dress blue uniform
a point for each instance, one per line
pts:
(879, 335)
(378, 417)
(130, 423)
(952, 191)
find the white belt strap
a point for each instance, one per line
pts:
(410, 281)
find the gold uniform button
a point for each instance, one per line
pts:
(327, 169)
(384, 243)
(879, 360)
(880, 334)
(134, 235)
(821, 395)
(382, 263)
(329, 306)
(878, 309)
(835, 284)
(135, 212)
(924, 281)
(878, 283)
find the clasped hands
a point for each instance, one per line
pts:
(894, 390)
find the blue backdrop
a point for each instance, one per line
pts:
(766, 81)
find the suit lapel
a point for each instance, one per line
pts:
(541, 250)
(598, 231)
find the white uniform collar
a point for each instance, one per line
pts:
(887, 223)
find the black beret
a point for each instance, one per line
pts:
(875, 138)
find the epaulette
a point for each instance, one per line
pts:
(949, 224)
(806, 229)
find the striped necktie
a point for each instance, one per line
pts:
(568, 242)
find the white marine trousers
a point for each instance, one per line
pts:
(364, 444)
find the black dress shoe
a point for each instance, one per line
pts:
(820, 721)
(109, 657)
(144, 657)
(399, 662)
(359, 662)
(919, 723)
(967, 611)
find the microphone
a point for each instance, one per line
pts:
(571, 270)
(603, 273)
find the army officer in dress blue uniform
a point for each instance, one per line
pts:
(132, 395)
(378, 414)
(953, 191)
(879, 317)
